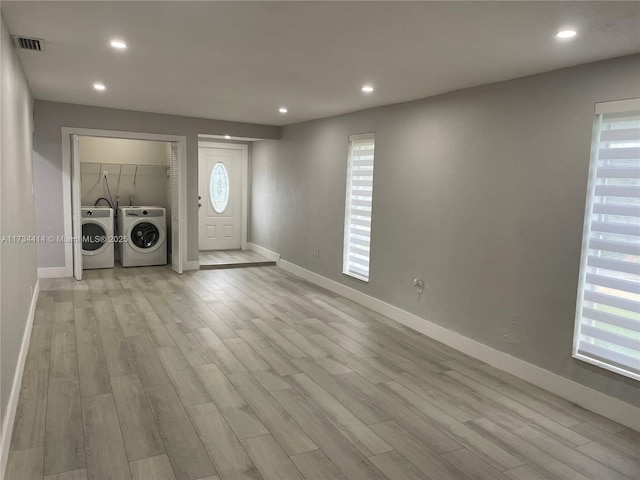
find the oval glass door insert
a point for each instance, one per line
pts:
(219, 188)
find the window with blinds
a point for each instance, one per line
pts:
(607, 330)
(357, 224)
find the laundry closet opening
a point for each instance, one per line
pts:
(126, 200)
(125, 196)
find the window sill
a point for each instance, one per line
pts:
(356, 276)
(606, 366)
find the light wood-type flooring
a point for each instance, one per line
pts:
(253, 373)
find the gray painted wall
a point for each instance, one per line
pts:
(50, 117)
(124, 150)
(479, 192)
(18, 261)
(150, 185)
(137, 170)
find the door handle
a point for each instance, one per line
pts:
(199, 205)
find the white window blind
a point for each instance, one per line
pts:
(357, 228)
(608, 308)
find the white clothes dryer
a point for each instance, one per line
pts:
(144, 231)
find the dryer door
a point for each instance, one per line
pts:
(145, 237)
(94, 237)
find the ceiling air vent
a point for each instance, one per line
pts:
(27, 43)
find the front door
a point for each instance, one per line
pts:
(220, 198)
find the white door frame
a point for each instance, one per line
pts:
(244, 149)
(68, 207)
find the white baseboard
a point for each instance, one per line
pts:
(264, 252)
(54, 272)
(12, 404)
(586, 397)
(191, 265)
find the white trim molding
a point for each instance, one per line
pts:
(12, 404)
(264, 252)
(55, 272)
(586, 397)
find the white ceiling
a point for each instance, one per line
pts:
(242, 60)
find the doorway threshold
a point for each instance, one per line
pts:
(218, 259)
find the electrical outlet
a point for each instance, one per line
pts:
(419, 284)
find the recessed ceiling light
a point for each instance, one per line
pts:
(367, 89)
(283, 110)
(566, 34)
(118, 44)
(99, 86)
(227, 137)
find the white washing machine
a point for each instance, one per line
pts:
(97, 237)
(145, 232)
